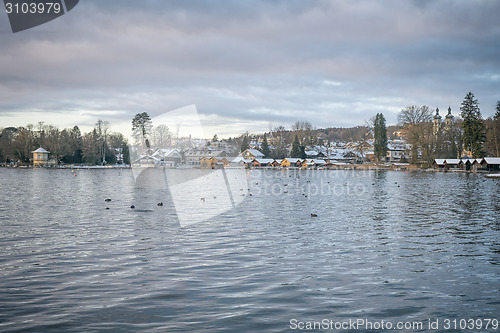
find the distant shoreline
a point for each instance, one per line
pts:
(351, 167)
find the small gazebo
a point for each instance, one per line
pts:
(40, 157)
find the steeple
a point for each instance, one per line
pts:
(449, 118)
(436, 122)
(437, 116)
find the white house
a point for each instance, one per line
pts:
(251, 154)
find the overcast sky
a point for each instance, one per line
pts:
(250, 65)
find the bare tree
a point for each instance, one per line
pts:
(161, 136)
(414, 115)
(417, 124)
(101, 128)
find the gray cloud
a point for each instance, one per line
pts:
(334, 63)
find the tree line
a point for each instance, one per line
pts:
(467, 135)
(455, 137)
(69, 146)
(429, 135)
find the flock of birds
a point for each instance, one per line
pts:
(159, 204)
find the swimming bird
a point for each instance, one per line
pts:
(107, 200)
(107, 207)
(202, 199)
(159, 204)
(313, 215)
(132, 207)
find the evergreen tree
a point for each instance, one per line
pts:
(493, 133)
(265, 147)
(473, 125)
(141, 128)
(296, 149)
(380, 137)
(244, 144)
(303, 154)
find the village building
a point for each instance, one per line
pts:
(397, 150)
(168, 157)
(251, 154)
(491, 163)
(40, 157)
(146, 161)
(194, 158)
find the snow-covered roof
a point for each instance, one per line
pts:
(165, 152)
(254, 152)
(317, 162)
(491, 160)
(264, 160)
(293, 160)
(239, 159)
(144, 157)
(452, 161)
(40, 150)
(439, 161)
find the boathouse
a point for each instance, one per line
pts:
(491, 163)
(451, 163)
(40, 157)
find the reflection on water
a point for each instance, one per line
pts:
(384, 246)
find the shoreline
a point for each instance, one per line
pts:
(353, 167)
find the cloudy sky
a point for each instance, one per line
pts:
(250, 65)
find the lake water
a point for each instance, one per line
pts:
(386, 246)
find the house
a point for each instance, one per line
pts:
(295, 162)
(439, 163)
(491, 163)
(265, 162)
(146, 161)
(256, 163)
(224, 161)
(469, 164)
(168, 155)
(397, 150)
(317, 163)
(194, 158)
(277, 163)
(370, 156)
(208, 162)
(400, 166)
(40, 157)
(251, 154)
(451, 163)
(311, 154)
(285, 163)
(237, 162)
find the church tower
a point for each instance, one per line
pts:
(437, 122)
(448, 119)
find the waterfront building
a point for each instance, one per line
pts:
(40, 157)
(251, 154)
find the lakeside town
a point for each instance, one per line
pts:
(423, 140)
